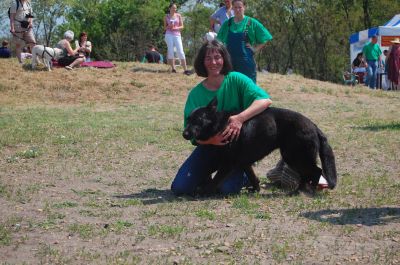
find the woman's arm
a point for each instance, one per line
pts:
(232, 131)
(180, 26)
(69, 49)
(165, 23)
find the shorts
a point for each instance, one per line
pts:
(67, 60)
(24, 36)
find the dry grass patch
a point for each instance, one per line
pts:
(87, 158)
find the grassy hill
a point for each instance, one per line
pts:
(87, 158)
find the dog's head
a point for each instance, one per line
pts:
(202, 122)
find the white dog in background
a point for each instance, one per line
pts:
(45, 55)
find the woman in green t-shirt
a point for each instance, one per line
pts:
(243, 37)
(235, 92)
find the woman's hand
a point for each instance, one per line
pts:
(232, 131)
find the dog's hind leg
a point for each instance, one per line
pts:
(253, 179)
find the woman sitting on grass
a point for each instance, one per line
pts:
(71, 58)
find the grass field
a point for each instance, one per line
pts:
(87, 158)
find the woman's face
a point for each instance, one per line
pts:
(83, 38)
(238, 8)
(228, 3)
(173, 9)
(213, 62)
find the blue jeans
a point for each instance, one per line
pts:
(197, 169)
(371, 71)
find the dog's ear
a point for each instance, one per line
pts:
(213, 104)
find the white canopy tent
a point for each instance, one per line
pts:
(385, 34)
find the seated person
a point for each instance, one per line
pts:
(85, 46)
(71, 58)
(359, 64)
(4, 50)
(25, 54)
(152, 55)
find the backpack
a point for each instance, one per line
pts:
(9, 9)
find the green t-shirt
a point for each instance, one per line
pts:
(372, 51)
(257, 33)
(237, 93)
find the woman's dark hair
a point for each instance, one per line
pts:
(213, 45)
(82, 34)
(243, 1)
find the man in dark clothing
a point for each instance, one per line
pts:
(152, 56)
(4, 50)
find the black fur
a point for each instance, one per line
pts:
(297, 137)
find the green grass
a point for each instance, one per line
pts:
(165, 231)
(5, 235)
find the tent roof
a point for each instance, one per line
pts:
(394, 22)
(368, 33)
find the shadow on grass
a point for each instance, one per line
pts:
(392, 126)
(364, 216)
(155, 196)
(152, 196)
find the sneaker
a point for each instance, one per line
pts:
(187, 72)
(68, 67)
(173, 71)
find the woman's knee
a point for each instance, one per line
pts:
(179, 187)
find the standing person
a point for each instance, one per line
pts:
(4, 50)
(152, 55)
(372, 52)
(220, 16)
(243, 36)
(173, 24)
(235, 92)
(21, 25)
(71, 58)
(85, 46)
(393, 63)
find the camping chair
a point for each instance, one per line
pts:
(349, 78)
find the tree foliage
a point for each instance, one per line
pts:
(309, 36)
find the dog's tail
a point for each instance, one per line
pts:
(327, 160)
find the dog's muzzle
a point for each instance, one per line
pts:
(187, 135)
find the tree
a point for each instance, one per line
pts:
(48, 16)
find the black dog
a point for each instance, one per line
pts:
(297, 137)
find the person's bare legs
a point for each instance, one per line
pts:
(77, 62)
(18, 51)
(183, 63)
(171, 62)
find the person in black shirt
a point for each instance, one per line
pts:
(359, 61)
(152, 55)
(4, 51)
